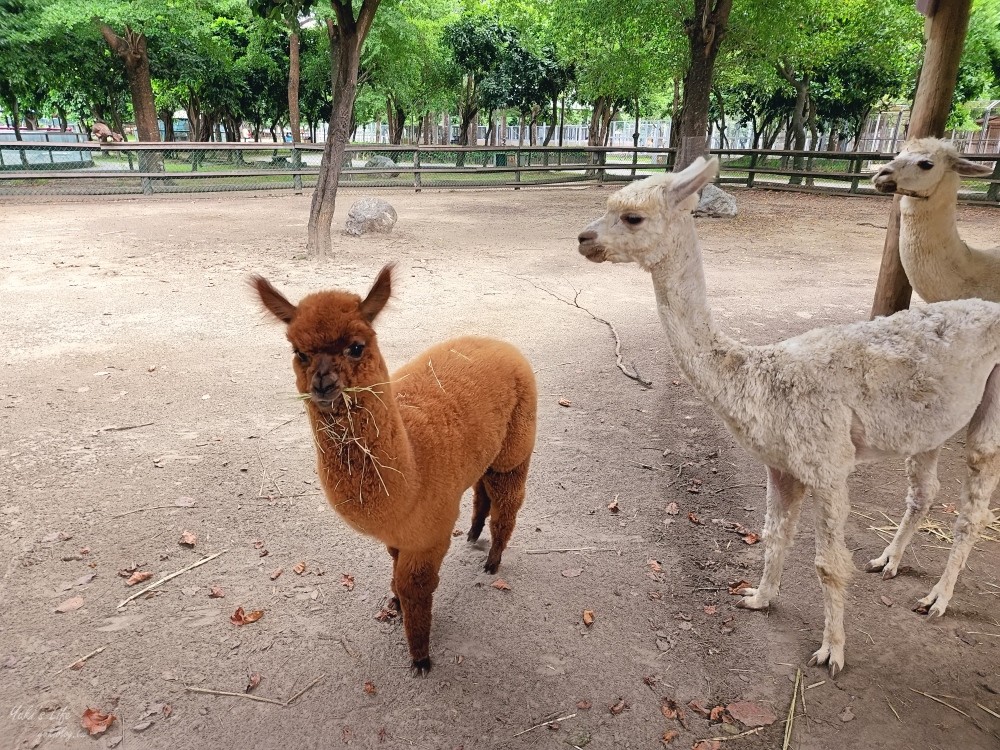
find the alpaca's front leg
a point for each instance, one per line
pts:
(833, 566)
(784, 501)
(921, 470)
(415, 579)
(394, 600)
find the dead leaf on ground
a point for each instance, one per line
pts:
(700, 708)
(128, 570)
(370, 688)
(693, 518)
(84, 550)
(751, 538)
(457, 532)
(694, 487)
(501, 584)
(300, 568)
(654, 565)
(188, 538)
(96, 722)
(949, 508)
(565, 402)
(584, 705)
(253, 680)
(258, 544)
(710, 609)
(613, 506)
(572, 572)
(670, 735)
(707, 745)
(276, 572)
(241, 618)
(386, 613)
(84, 580)
(886, 601)
(166, 710)
(620, 706)
(70, 605)
(138, 577)
(184, 502)
(216, 592)
(717, 714)
(672, 509)
(347, 581)
(752, 714)
(735, 587)
(588, 617)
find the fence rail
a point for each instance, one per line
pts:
(48, 168)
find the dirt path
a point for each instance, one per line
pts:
(134, 314)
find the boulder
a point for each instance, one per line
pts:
(382, 162)
(715, 203)
(370, 215)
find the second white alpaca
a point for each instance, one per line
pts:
(813, 406)
(939, 265)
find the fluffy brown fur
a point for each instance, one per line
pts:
(396, 453)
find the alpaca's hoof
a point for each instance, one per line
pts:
(884, 564)
(473, 535)
(752, 600)
(932, 605)
(833, 656)
(420, 667)
(491, 567)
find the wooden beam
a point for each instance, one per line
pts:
(945, 39)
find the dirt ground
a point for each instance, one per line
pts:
(145, 395)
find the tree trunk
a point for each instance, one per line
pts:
(799, 114)
(705, 32)
(15, 114)
(293, 82)
(562, 120)
(61, 111)
(131, 48)
(167, 118)
(938, 75)
(397, 123)
(346, 38)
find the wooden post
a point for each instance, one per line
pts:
(946, 26)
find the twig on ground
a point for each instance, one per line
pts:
(82, 659)
(350, 653)
(248, 696)
(544, 724)
(893, 709)
(140, 510)
(166, 578)
(569, 549)
(303, 691)
(736, 487)
(726, 738)
(977, 632)
(791, 711)
(278, 427)
(126, 427)
(634, 375)
(990, 711)
(868, 634)
(943, 703)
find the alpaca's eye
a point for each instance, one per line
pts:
(355, 350)
(302, 357)
(632, 219)
(925, 164)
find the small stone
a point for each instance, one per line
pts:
(382, 162)
(846, 715)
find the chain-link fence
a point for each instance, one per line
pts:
(31, 168)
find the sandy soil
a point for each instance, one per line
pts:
(138, 373)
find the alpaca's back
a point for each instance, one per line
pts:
(468, 404)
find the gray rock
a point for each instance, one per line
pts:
(382, 162)
(370, 215)
(715, 203)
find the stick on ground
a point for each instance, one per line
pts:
(544, 724)
(82, 659)
(791, 711)
(166, 578)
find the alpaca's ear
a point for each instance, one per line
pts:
(692, 179)
(272, 299)
(968, 168)
(380, 292)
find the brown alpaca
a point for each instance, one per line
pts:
(395, 454)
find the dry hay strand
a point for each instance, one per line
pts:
(937, 529)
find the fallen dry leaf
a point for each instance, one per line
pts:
(70, 605)
(588, 617)
(253, 681)
(572, 572)
(672, 509)
(276, 572)
(188, 538)
(347, 581)
(138, 577)
(613, 506)
(166, 710)
(751, 713)
(693, 518)
(649, 680)
(241, 618)
(700, 708)
(264, 553)
(671, 710)
(385, 614)
(84, 550)
(735, 587)
(258, 544)
(85, 579)
(717, 713)
(620, 706)
(299, 568)
(584, 705)
(565, 402)
(216, 593)
(501, 584)
(710, 609)
(886, 601)
(949, 508)
(750, 538)
(370, 688)
(707, 745)
(670, 735)
(654, 565)
(457, 532)
(96, 722)
(694, 487)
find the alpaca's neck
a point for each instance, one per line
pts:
(364, 455)
(706, 356)
(928, 228)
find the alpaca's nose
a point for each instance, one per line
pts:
(325, 383)
(588, 235)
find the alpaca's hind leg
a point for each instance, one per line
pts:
(506, 492)
(480, 510)
(833, 566)
(394, 601)
(784, 501)
(983, 459)
(416, 578)
(921, 470)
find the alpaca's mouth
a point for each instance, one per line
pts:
(326, 401)
(885, 184)
(592, 252)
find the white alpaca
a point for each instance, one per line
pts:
(813, 406)
(939, 265)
